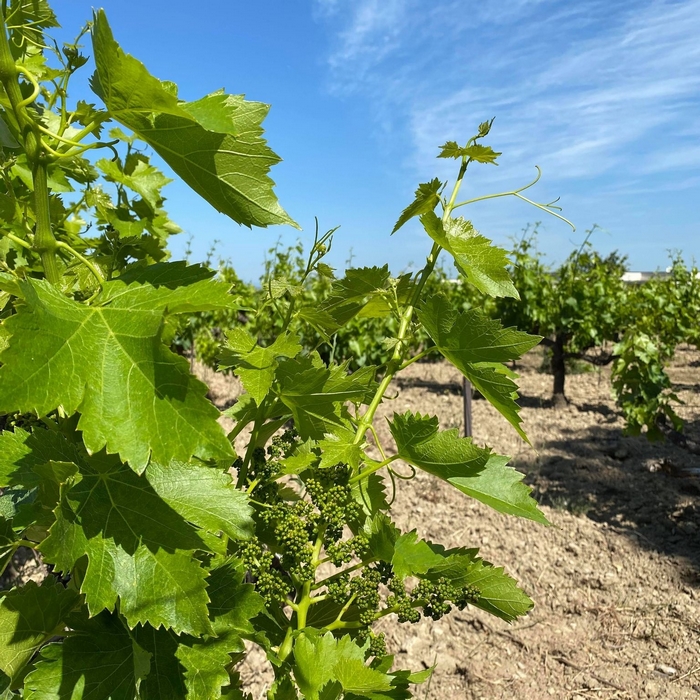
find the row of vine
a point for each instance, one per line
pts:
(583, 309)
(172, 545)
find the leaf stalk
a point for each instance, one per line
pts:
(44, 240)
(396, 362)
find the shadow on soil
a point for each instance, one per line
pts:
(455, 388)
(429, 385)
(649, 491)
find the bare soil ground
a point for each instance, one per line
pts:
(616, 579)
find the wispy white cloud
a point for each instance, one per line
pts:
(375, 29)
(581, 88)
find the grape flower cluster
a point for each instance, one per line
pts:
(435, 598)
(280, 557)
(292, 536)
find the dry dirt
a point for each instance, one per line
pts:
(615, 580)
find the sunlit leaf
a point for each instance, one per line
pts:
(214, 144)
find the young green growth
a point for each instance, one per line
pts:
(168, 552)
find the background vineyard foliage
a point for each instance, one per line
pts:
(168, 552)
(586, 312)
(361, 342)
(583, 309)
(663, 313)
(578, 307)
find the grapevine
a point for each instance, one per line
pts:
(171, 553)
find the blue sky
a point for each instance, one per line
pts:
(604, 97)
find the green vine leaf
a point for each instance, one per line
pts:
(315, 393)
(29, 617)
(99, 660)
(322, 659)
(313, 663)
(183, 667)
(382, 535)
(234, 604)
(214, 144)
(21, 453)
(245, 411)
(449, 328)
(7, 543)
(348, 298)
(427, 198)
(142, 177)
(108, 363)
(482, 263)
(206, 665)
(303, 457)
(204, 496)
(443, 454)
(280, 286)
(282, 689)
(499, 593)
(255, 365)
(370, 493)
(495, 382)
(500, 487)
(9, 284)
(27, 17)
(476, 152)
(166, 676)
(340, 446)
(413, 557)
(173, 287)
(476, 472)
(138, 548)
(7, 140)
(470, 336)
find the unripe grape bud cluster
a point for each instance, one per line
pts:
(294, 535)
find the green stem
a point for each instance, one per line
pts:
(90, 127)
(372, 469)
(286, 647)
(57, 155)
(316, 553)
(19, 241)
(378, 616)
(344, 626)
(288, 317)
(417, 357)
(306, 600)
(252, 444)
(339, 619)
(62, 139)
(349, 570)
(44, 240)
(95, 271)
(395, 363)
(303, 605)
(455, 190)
